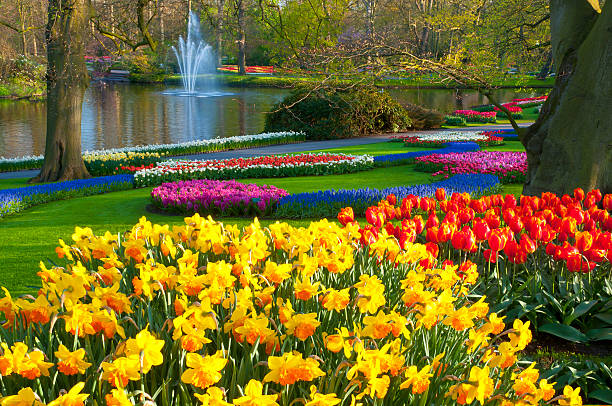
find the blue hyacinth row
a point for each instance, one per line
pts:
(328, 203)
(15, 200)
(449, 148)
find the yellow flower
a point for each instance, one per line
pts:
(203, 371)
(117, 397)
(291, 368)
(419, 380)
(336, 299)
(28, 365)
(571, 397)
(521, 336)
(25, 397)
(72, 398)
(371, 294)
(122, 370)
(305, 289)
(302, 326)
(71, 363)
(254, 328)
(253, 396)
(318, 399)
(147, 348)
(213, 397)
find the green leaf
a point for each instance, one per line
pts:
(598, 334)
(605, 395)
(605, 317)
(565, 332)
(579, 310)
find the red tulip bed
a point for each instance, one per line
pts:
(509, 166)
(545, 260)
(259, 167)
(438, 139)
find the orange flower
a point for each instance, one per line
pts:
(203, 371)
(302, 326)
(71, 363)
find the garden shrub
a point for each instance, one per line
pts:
(422, 118)
(486, 107)
(455, 121)
(330, 114)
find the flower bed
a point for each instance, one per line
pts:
(544, 258)
(472, 116)
(438, 139)
(259, 167)
(328, 203)
(510, 167)
(14, 200)
(183, 148)
(225, 198)
(114, 163)
(450, 147)
(530, 101)
(207, 314)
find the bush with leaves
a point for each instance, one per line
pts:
(330, 114)
(422, 118)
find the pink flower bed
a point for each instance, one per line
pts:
(473, 116)
(226, 198)
(510, 167)
(512, 108)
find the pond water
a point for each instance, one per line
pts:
(118, 115)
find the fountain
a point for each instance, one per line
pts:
(197, 64)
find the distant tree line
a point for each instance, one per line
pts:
(509, 34)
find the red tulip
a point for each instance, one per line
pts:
(607, 202)
(527, 244)
(481, 229)
(392, 199)
(579, 194)
(490, 255)
(497, 240)
(440, 194)
(346, 216)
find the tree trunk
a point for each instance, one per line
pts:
(546, 68)
(570, 145)
(67, 80)
(241, 39)
(219, 33)
(143, 24)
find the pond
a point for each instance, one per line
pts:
(118, 115)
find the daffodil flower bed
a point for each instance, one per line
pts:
(214, 197)
(309, 164)
(183, 148)
(205, 313)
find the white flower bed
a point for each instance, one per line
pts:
(216, 144)
(451, 136)
(259, 167)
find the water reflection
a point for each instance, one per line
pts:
(117, 115)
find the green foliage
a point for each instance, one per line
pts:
(422, 118)
(22, 78)
(455, 121)
(486, 107)
(331, 114)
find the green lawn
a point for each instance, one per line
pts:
(511, 145)
(379, 148)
